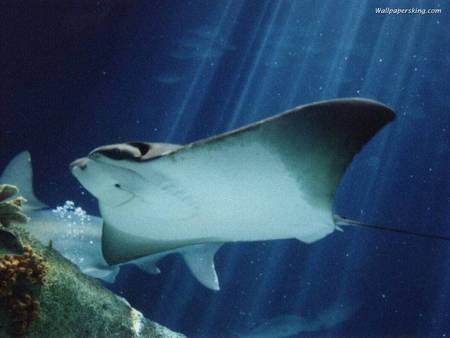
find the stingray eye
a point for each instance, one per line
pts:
(117, 185)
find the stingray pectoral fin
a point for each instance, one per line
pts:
(19, 173)
(317, 142)
(200, 260)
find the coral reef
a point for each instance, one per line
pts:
(21, 274)
(19, 277)
(11, 205)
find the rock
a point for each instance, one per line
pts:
(74, 305)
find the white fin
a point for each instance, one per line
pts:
(20, 173)
(200, 260)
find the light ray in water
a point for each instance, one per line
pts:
(202, 77)
(294, 93)
(272, 52)
(245, 59)
(256, 63)
(344, 42)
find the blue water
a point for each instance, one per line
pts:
(78, 76)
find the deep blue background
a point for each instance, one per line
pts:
(76, 75)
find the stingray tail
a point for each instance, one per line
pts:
(19, 172)
(342, 221)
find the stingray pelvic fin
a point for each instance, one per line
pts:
(200, 260)
(147, 265)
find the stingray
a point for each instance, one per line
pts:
(273, 179)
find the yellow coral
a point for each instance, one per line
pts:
(18, 275)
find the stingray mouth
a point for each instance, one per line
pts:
(82, 163)
(126, 201)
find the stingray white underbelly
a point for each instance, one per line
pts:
(238, 200)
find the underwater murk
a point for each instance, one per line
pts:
(225, 169)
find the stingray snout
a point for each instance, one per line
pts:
(79, 163)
